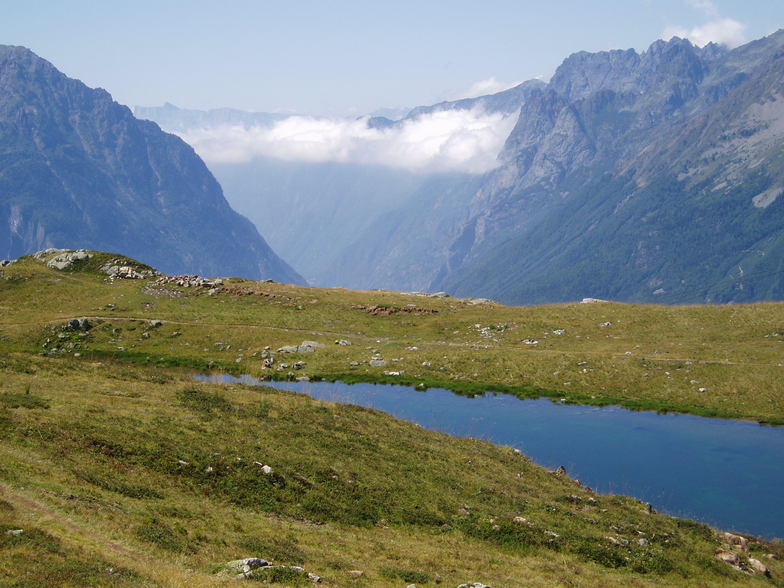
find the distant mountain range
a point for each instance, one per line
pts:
(653, 176)
(78, 170)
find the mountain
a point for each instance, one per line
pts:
(341, 223)
(77, 170)
(640, 177)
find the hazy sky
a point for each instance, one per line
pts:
(347, 57)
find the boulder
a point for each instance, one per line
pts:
(79, 324)
(758, 566)
(737, 541)
(729, 557)
(243, 568)
(377, 363)
(67, 258)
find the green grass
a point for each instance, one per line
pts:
(115, 458)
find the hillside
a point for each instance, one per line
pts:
(637, 177)
(78, 170)
(138, 476)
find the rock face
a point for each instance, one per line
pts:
(79, 171)
(641, 177)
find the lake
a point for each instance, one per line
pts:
(727, 473)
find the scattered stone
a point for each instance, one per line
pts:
(6, 262)
(377, 363)
(703, 389)
(155, 323)
(606, 324)
(314, 578)
(561, 471)
(552, 534)
(771, 556)
(343, 342)
(355, 573)
(522, 521)
(145, 335)
(191, 281)
(389, 373)
(591, 300)
(559, 331)
(15, 532)
(438, 295)
(530, 341)
(474, 585)
(426, 364)
(303, 379)
(353, 363)
(642, 542)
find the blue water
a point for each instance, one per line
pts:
(727, 473)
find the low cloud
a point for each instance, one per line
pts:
(724, 31)
(466, 141)
(485, 87)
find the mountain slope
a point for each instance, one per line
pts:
(78, 170)
(637, 177)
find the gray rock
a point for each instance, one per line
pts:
(309, 346)
(377, 363)
(79, 324)
(67, 258)
(46, 252)
(288, 349)
(15, 532)
(342, 342)
(476, 301)
(243, 568)
(156, 323)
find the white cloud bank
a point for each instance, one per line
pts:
(457, 140)
(725, 31)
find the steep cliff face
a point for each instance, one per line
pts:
(636, 176)
(78, 170)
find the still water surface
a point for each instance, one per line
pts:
(726, 473)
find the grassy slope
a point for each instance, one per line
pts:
(90, 447)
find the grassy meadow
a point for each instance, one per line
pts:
(122, 471)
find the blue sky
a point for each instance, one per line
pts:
(347, 57)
